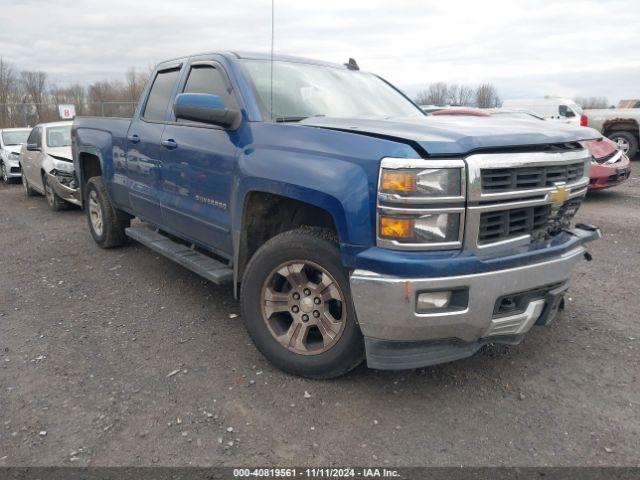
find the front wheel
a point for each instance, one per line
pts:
(3, 172)
(106, 223)
(53, 199)
(297, 307)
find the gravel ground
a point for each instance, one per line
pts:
(123, 358)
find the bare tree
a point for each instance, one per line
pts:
(35, 91)
(435, 94)
(487, 96)
(592, 102)
(8, 86)
(460, 95)
(135, 83)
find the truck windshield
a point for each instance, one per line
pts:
(59, 136)
(15, 137)
(303, 90)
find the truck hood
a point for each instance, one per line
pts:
(449, 135)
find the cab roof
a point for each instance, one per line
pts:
(233, 55)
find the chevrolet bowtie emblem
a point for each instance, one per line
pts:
(559, 195)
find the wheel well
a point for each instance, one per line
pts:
(621, 124)
(267, 215)
(89, 167)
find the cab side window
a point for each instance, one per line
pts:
(160, 95)
(211, 80)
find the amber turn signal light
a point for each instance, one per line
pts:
(394, 181)
(401, 228)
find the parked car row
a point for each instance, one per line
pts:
(42, 158)
(610, 165)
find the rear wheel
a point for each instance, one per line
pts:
(626, 142)
(106, 223)
(55, 202)
(297, 305)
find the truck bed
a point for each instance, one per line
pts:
(116, 126)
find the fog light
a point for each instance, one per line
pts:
(433, 301)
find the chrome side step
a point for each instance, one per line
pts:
(205, 266)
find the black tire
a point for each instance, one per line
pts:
(320, 247)
(3, 173)
(29, 192)
(53, 200)
(113, 221)
(629, 138)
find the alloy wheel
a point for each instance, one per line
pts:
(48, 191)
(623, 144)
(95, 213)
(303, 307)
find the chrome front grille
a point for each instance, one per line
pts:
(504, 224)
(505, 179)
(515, 199)
(540, 222)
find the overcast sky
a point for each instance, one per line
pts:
(526, 48)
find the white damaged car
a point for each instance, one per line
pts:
(47, 165)
(11, 141)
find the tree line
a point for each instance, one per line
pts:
(483, 96)
(443, 94)
(28, 97)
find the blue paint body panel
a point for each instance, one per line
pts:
(197, 187)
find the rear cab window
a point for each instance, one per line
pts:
(160, 95)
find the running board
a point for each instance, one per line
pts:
(203, 265)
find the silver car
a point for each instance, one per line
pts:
(47, 165)
(11, 140)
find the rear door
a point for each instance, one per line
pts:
(198, 162)
(143, 146)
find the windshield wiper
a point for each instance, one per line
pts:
(289, 119)
(296, 118)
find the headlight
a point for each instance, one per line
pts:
(430, 182)
(14, 156)
(421, 204)
(422, 228)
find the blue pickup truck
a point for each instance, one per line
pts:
(351, 224)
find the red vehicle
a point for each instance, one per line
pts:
(609, 167)
(473, 112)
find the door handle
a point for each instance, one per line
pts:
(169, 144)
(135, 138)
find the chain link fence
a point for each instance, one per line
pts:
(30, 114)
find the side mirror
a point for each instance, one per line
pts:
(33, 147)
(205, 108)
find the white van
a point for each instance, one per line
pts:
(557, 109)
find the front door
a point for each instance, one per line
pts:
(198, 162)
(143, 147)
(31, 160)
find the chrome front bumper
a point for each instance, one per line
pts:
(386, 306)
